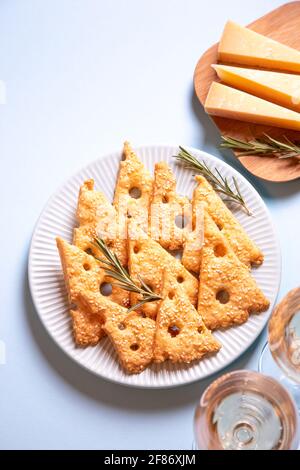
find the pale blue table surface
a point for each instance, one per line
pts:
(80, 77)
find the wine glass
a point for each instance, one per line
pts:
(280, 357)
(245, 410)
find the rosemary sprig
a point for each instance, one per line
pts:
(265, 145)
(219, 183)
(114, 269)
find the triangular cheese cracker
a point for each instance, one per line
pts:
(227, 291)
(131, 334)
(167, 218)
(97, 218)
(87, 328)
(191, 255)
(242, 245)
(133, 192)
(181, 335)
(81, 273)
(147, 261)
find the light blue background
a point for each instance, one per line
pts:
(82, 76)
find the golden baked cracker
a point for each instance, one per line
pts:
(180, 335)
(81, 273)
(242, 245)
(167, 209)
(191, 255)
(227, 291)
(147, 261)
(131, 333)
(97, 218)
(81, 270)
(87, 328)
(133, 192)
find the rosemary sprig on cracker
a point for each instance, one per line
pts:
(115, 270)
(219, 183)
(264, 145)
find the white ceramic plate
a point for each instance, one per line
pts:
(49, 294)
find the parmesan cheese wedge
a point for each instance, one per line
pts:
(280, 88)
(241, 45)
(228, 102)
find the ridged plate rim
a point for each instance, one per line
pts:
(157, 376)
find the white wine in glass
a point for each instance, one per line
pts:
(280, 357)
(245, 410)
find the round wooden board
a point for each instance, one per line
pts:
(283, 25)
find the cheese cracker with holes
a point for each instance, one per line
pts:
(147, 261)
(97, 218)
(81, 273)
(242, 245)
(191, 255)
(131, 334)
(227, 291)
(133, 192)
(167, 209)
(181, 335)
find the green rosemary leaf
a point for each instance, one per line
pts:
(264, 145)
(216, 179)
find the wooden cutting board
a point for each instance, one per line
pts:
(283, 25)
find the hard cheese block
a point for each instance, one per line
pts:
(280, 88)
(230, 103)
(241, 45)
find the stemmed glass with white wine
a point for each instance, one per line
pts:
(245, 410)
(280, 356)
